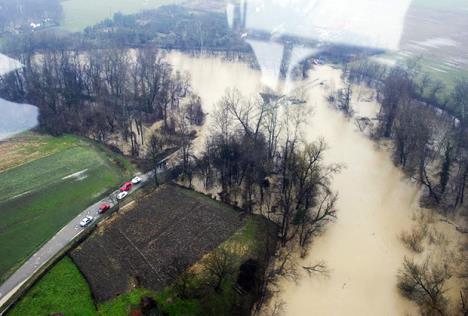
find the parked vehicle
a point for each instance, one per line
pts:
(104, 207)
(126, 187)
(122, 195)
(136, 180)
(86, 221)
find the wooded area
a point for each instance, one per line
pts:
(102, 93)
(429, 140)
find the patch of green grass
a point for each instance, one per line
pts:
(119, 305)
(31, 219)
(62, 289)
(78, 14)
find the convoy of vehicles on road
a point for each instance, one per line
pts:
(104, 207)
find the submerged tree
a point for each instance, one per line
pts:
(425, 285)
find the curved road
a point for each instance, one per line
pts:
(56, 244)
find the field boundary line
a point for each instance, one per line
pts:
(141, 253)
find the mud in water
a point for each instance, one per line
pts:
(362, 249)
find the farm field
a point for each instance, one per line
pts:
(247, 239)
(69, 174)
(143, 242)
(78, 14)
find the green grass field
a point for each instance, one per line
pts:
(78, 14)
(62, 289)
(37, 198)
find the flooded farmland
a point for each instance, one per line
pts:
(362, 249)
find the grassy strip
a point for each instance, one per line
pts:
(62, 289)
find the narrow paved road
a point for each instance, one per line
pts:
(57, 243)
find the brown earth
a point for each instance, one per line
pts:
(137, 248)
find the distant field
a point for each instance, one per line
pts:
(78, 14)
(30, 146)
(41, 192)
(62, 289)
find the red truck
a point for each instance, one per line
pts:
(126, 187)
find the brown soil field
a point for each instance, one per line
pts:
(136, 247)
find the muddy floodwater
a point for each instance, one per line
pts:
(362, 249)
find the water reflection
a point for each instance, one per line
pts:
(14, 117)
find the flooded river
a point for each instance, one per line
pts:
(362, 249)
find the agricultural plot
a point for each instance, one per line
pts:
(46, 181)
(78, 14)
(138, 246)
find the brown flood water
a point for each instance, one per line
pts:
(362, 249)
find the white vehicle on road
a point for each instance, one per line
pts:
(136, 180)
(86, 221)
(122, 195)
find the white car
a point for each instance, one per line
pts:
(122, 195)
(136, 180)
(86, 221)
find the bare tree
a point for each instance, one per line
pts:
(152, 152)
(425, 284)
(343, 99)
(219, 266)
(182, 276)
(460, 97)
(311, 222)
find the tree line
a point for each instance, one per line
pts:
(429, 143)
(168, 27)
(255, 159)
